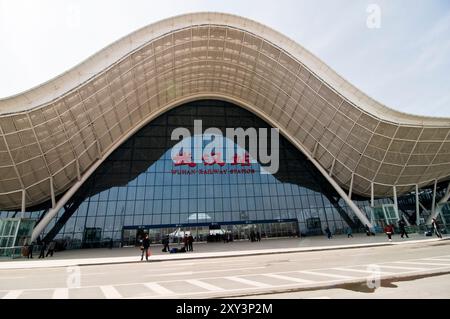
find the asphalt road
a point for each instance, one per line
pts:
(325, 274)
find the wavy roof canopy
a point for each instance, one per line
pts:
(52, 134)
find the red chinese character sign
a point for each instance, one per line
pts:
(209, 151)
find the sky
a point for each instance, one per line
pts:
(396, 51)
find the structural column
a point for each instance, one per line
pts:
(417, 206)
(395, 201)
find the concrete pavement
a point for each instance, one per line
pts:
(208, 250)
(212, 250)
(255, 275)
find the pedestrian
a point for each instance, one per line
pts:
(389, 230)
(186, 242)
(145, 247)
(328, 232)
(258, 235)
(190, 242)
(252, 235)
(349, 232)
(51, 248)
(43, 247)
(165, 242)
(402, 227)
(30, 250)
(435, 226)
(111, 244)
(368, 231)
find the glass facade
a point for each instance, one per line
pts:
(140, 189)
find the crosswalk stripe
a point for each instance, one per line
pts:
(402, 267)
(204, 285)
(363, 271)
(437, 259)
(61, 293)
(13, 294)
(249, 282)
(421, 263)
(110, 292)
(288, 278)
(157, 288)
(325, 274)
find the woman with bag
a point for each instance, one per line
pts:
(145, 247)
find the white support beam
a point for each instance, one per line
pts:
(372, 195)
(417, 206)
(332, 167)
(24, 204)
(394, 188)
(442, 201)
(351, 186)
(52, 192)
(315, 150)
(433, 204)
(78, 170)
(99, 150)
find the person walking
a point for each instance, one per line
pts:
(43, 247)
(190, 242)
(145, 247)
(368, 231)
(258, 235)
(30, 250)
(389, 230)
(349, 232)
(51, 248)
(165, 242)
(435, 226)
(402, 227)
(328, 232)
(186, 242)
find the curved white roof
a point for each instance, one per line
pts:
(53, 133)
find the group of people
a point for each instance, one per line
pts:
(255, 236)
(389, 230)
(188, 241)
(27, 250)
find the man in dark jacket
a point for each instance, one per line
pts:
(145, 247)
(51, 249)
(43, 247)
(165, 242)
(401, 226)
(190, 243)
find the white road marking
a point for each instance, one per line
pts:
(204, 285)
(288, 278)
(158, 289)
(363, 271)
(249, 282)
(437, 259)
(316, 273)
(61, 293)
(9, 278)
(421, 263)
(13, 294)
(190, 273)
(110, 292)
(402, 267)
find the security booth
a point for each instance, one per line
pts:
(14, 234)
(382, 215)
